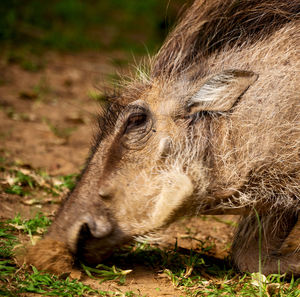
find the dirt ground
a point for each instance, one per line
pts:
(47, 119)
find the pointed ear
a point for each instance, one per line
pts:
(222, 91)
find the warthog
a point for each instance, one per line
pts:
(211, 127)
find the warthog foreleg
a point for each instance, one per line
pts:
(275, 247)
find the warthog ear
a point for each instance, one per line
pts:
(222, 91)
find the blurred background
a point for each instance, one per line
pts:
(72, 25)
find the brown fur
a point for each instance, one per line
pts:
(212, 25)
(214, 127)
(292, 243)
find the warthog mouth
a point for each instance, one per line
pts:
(93, 250)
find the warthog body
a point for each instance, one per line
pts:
(212, 127)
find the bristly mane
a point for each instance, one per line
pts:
(210, 25)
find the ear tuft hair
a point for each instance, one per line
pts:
(222, 91)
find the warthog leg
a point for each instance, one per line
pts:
(279, 248)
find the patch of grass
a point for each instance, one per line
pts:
(35, 226)
(232, 284)
(24, 181)
(8, 241)
(50, 285)
(38, 282)
(6, 268)
(19, 182)
(243, 286)
(200, 275)
(106, 273)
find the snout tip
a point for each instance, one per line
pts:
(99, 227)
(93, 238)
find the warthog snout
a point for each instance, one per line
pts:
(92, 239)
(96, 240)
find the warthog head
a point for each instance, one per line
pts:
(213, 126)
(150, 164)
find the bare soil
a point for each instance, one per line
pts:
(47, 119)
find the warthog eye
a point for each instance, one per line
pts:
(136, 124)
(135, 121)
